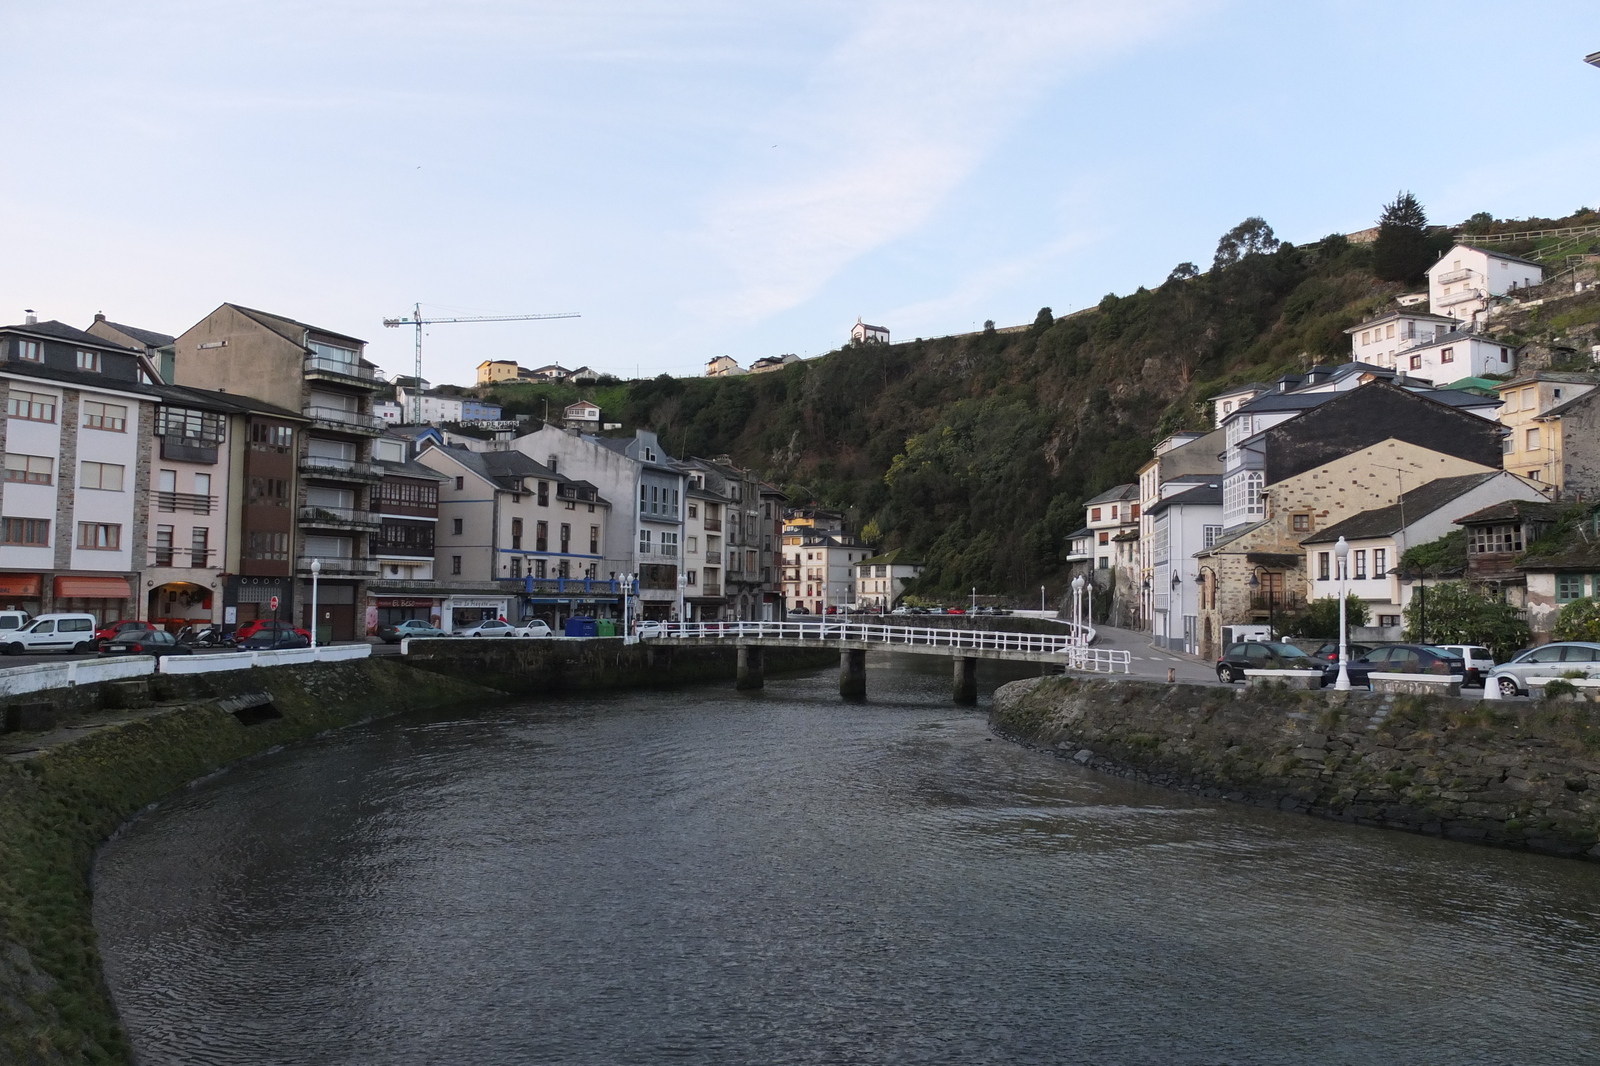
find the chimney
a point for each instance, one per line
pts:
(29, 318)
(99, 316)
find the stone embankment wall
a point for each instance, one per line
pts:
(528, 667)
(60, 798)
(1523, 775)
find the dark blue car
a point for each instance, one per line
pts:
(1396, 659)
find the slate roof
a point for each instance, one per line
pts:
(78, 379)
(1513, 510)
(1413, 505)
(1566, 405)
(1369, 323)
(148, 337)
(217, 400)
(1207, 494)
(1116, 494)
(275, 324)
(1565, 377)
(505, 469)
(1491, 255)
(62, 332)
(898, 557)
(1579, 550)
(412, 468)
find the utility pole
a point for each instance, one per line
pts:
(418, 321)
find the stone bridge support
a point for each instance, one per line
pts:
(750, 667)
(964, 688)
(853, 675)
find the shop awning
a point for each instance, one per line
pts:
(93, 588)
(24, 585)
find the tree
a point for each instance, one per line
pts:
(1458, 614)
(1402, 252)
(1320, 621)
(1579, 620)
(1183, 272)
(1481, 222)
(1044, 319)
(1251, 237)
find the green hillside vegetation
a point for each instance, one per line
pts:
(977, 451)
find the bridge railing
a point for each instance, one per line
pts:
(1073, 652)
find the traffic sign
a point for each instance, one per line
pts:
(274, 603)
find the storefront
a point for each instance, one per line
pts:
(336, 610)
(392, 610)
(245, 599)
(107, 598)
(459, 612)
(22, 592)
(180, 603)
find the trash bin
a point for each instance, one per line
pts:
(579, 626)
(605, 627)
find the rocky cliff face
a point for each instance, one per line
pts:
(1524, 775)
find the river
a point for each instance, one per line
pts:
(702, 876)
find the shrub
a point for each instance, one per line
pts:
(1320, 621)
(1559, 687)
(1579, 620)
(1454, 613)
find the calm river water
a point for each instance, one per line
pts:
(703, 877)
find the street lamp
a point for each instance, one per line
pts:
(1041, 599)
(1342, 551)
(1077, 605)
(627, 587)
(316, 572)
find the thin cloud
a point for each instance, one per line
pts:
(901, 113)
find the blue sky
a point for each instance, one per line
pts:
(706, 177)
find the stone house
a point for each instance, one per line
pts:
(1569, 571)
(1496, 537)
(1534, 407)
(1269, 553)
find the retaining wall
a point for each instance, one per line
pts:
(1522, 775)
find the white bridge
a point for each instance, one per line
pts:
(1070, 650)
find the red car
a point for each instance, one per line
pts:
(111, 629)
(267, 625)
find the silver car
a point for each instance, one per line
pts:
(1545, 662)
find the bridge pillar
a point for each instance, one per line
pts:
(750, 667)
(853, 675)
(965, 687)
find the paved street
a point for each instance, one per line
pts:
(1153, 663)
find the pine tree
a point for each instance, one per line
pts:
(1401, 252)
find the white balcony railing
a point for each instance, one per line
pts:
(1455, 276)
(1459, 297)
(321, 364)
(339, 418)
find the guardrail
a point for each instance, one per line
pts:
(1074, 652)
(21, 680)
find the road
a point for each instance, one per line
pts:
(1151, 663)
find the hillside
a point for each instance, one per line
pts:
(978, 451)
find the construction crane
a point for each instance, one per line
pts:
(417, 320)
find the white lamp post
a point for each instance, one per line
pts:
(316, 571)
(1341, 552)
(627, 587)
(1041, 599)
(1077, 605)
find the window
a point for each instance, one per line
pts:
(1105, 563)
(1210, 535)
(689, 577)
(544, 494)
(594, 540)
(99, 536)
(516, 567)
(692, 546)
(461, 483)
(273, 547)
(1387, 620)
(1508, 444)
(1134, 513)
(455, 565)
(1569, 587)
(516, 533)
(1323, 559)
(1301, 523)
(669, 543)
(644, 541)
(88, 360)
(1380, 562)
(1529, 401)
(1388, 331)
(1113, 512)
(31, 469)
(541, 536)
(108, 416)
(566, 538)
(199, 546)
(1531, 441)
(694, 510)
(1447, 355)
(29, 351)
(1416, 362)
(1360, 555)
(1504, 356)
(455, 526)
(34, 406)
(34, 532)
(107, 476)
(265, 437)
(189, 424)
(263, 491)
(1105, 537)
(1094, 514)
(1366, 336)
(163, 546)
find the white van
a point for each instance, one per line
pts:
(52, 632)
(12, 620)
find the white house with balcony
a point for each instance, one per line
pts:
(1380, 340)
(1182, 524)
(1453, 356)
(1462, 281)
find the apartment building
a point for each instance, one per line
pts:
(728, 540)
(1464, 279)
(1532, 408)
(882, 579)
(75, 497)
(319, 373)
(820, 560)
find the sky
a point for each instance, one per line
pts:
(706, 178)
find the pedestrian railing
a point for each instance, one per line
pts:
(1071, 647)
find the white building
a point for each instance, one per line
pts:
(1113, 519)
(1183, 523)
(861, 333)
(1453, 356)
(435, 408)
(724, 366)
(881, 579)
(1225, 403)
(389, 411)
(1379, 537)
(1379, 340)
(1462, 281)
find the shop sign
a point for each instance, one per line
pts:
(459, 602)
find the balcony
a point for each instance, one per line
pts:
(326, 466)
(339, 420)
(710, 590)
(320, 366)
(191, 558)
(713, 558)
(1458, 297)
(338, 567)
(189, 502)
(1455, 276)
(567, 586)
(713, 525)
(338, 518)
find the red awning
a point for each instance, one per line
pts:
(25, 585)
(92, 588)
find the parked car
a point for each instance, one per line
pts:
(1545, 662)
(1329, 652)
(411, 627)
(1479, 661)
(489, 627)
(134, 640)
(110, 630)
(1261, 655)
(275, 640)
(250, 629)
(53, 632)
(536, 627)
(649, 629)
(1397, 659)
(10, 620)
(955, 610)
